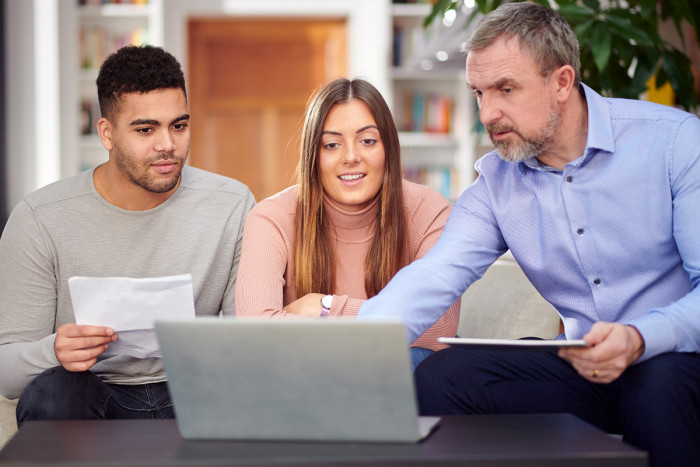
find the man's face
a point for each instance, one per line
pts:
(516, 104)
(150, 138)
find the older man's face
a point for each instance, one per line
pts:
(516, 103)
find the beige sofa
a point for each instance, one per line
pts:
(8, 422)
(501, 304)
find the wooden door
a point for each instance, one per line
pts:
(249, 82)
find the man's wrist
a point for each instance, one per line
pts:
(637, 341)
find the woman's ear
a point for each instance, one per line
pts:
(104, 131)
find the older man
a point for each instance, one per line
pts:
(598, 199)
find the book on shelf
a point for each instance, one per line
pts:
(111, 2)
(97, 42)
(407, 43)
(424, 112)
(444, 180)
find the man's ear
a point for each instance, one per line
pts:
(104, 131)
(563, 80)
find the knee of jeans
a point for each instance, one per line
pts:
(52, 394)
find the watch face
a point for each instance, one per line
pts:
(326, 301)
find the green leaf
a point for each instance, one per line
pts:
(648, 7)
(677, 67)
(628, 30)
(439, 9)
(600, 45)
(575, 13)
(592, 4)
(583, 30)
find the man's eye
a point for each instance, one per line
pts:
(144, 131)
(507, 90)
(180, 126)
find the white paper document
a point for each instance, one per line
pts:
(130, 307)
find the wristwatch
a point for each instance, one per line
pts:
(326, 302)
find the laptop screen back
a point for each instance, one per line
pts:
(335, 380)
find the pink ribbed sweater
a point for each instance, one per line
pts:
(266, 279)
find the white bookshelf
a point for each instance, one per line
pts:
(434, 155)
(91, 31)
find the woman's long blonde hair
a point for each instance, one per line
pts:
(314, 257)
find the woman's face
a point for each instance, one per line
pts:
(351, 158)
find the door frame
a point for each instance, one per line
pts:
(368, 54)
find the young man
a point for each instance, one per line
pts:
(141, 214)
(598, 200)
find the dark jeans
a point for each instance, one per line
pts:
(58, 394)
(655, 404)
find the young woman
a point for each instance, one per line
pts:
(322, 247)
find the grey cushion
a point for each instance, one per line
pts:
(504, 304)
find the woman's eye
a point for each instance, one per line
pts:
(330, 146)
(368, 141)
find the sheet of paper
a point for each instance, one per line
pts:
(130, 307)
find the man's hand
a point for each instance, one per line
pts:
(308, 305)
(78, 346)
(614, 347)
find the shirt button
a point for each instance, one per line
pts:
(569, 178)
(596, 281)
(579, 231)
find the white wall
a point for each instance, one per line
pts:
(32, 145)
(19, 101)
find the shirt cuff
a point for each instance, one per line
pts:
(657, 333)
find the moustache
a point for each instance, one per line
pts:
(499, 128)
(162, 157)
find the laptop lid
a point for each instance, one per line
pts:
(321, 380)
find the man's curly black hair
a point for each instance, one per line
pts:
(136, 69)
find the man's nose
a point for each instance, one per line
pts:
(489, 111)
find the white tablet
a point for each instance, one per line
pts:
(521, 344)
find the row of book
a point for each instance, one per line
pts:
(97, 42)
(89, 114)
(111, 2)
(407, 41)
(442, 179)
(425, 112)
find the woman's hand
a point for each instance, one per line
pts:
(308, 305)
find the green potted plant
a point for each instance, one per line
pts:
(621, 48)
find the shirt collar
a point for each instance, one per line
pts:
(600, 132)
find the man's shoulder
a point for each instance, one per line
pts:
(62, 190)
(201, 180)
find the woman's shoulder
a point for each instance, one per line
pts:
(284, 203)
(279, 208)
(421, 198)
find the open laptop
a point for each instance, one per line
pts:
(320, 380)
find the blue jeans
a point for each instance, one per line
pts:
(654, 404)
(58, 394)
(418, 354)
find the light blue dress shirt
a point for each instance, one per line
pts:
(613, 237)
